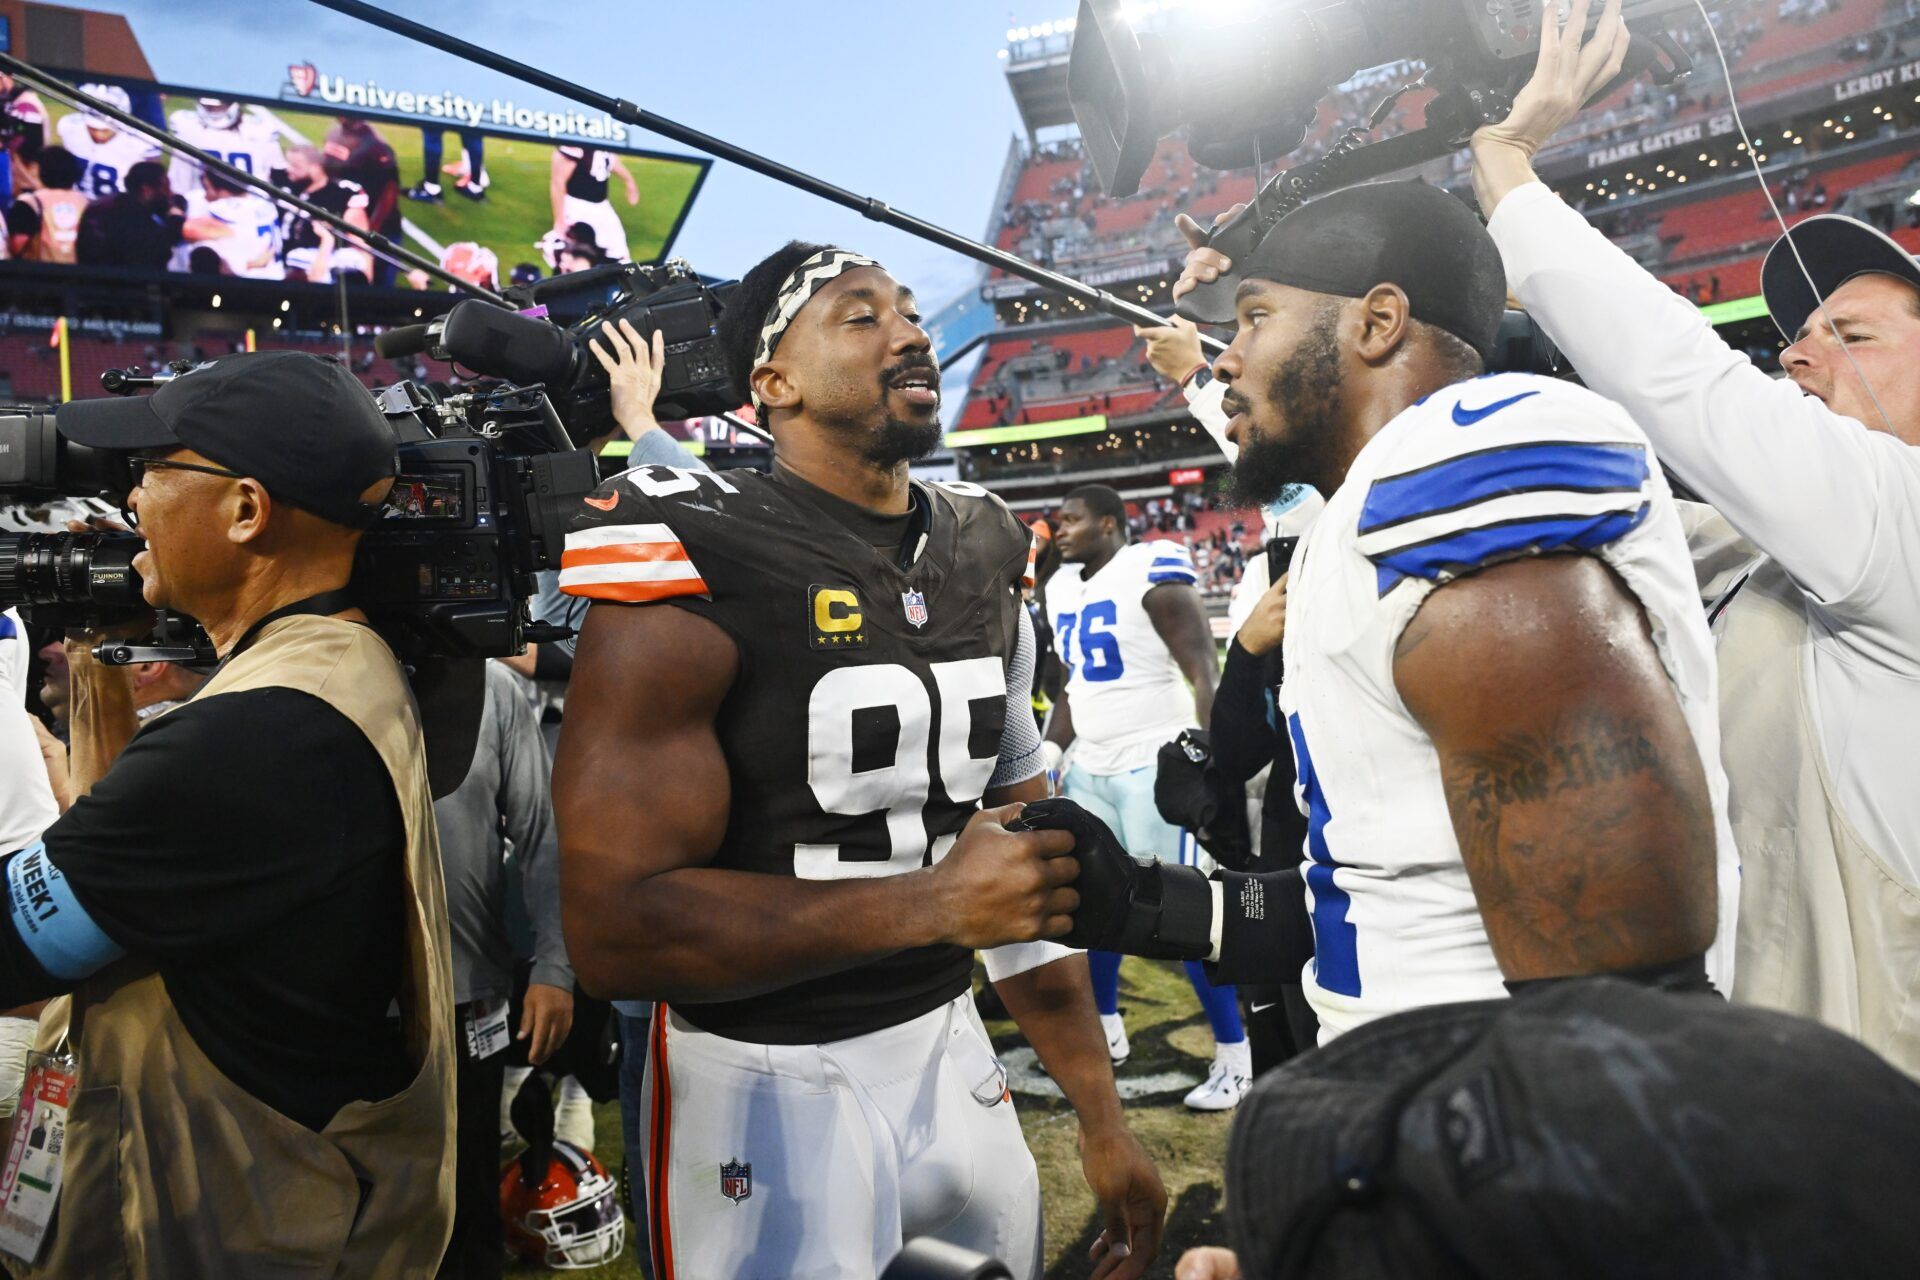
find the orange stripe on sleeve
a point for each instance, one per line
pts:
(622, 553)
(639, 592)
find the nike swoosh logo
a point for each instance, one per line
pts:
(1465, 417)
(612, 500)
(1261, 1008)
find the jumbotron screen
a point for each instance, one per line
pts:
(483, 202)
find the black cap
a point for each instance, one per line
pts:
(301, 425)
(1835, 248)
(1589, 1129)
(1405, 233)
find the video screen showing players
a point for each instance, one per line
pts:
(488, 207)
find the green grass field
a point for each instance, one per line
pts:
(517, 211)
(1171, 1049)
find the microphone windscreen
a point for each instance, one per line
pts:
(407, 340)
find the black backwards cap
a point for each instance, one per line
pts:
(1592, 1130)
(302, 426)
(1835, 249)
(1404, 233)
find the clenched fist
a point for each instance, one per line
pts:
(997, 886)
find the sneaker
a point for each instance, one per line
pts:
(1116, 1029)
(472, 192)
(426, 192)
(1220, 1091)
(573, 1115)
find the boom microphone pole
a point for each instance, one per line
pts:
(73, 97)
(627, 113)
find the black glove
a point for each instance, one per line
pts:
(1136, 906)
(1191, 792)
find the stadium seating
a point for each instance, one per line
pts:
(1784, 39)
(31, 363)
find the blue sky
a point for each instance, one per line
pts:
(906, 102)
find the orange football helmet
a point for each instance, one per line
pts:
(565, 1216)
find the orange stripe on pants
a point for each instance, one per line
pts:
(659, 1234)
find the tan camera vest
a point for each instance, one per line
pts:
(173, 1172)
(1827, 930)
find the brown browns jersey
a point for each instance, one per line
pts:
(866, 717)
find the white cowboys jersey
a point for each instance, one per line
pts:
(253, 247)
(106, 162)
(1126, 692)
(253, 146)
(1481, 472)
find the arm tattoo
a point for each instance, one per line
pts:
(1589, 847)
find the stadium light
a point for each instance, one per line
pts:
(216, 300)
(286, 304)
(276, 322)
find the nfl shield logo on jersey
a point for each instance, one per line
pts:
(916, 607)
(736, 1180)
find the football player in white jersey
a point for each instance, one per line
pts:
(224, 128)
(102, 146)
(1129, 625)
(243, 229)
(1499, 687)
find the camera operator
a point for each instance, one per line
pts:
(237, 903)
(1817, 612)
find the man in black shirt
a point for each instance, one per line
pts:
(356, 153)
(135, 228)
(311, 249)
(252, 881)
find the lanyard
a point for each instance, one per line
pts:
(324, 604)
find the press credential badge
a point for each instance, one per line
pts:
(486, 1027)
(30, 1179)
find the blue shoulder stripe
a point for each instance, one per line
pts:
(1468, 550)
(1173, 575)
(1468, 478)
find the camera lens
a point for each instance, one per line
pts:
(70, 568)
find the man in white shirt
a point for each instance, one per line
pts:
(1809, 565)
(27, 807)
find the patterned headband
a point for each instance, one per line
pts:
(795, 292)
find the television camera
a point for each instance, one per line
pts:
(487, 481)
(1246, 86)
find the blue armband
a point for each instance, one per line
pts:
(51, 921)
